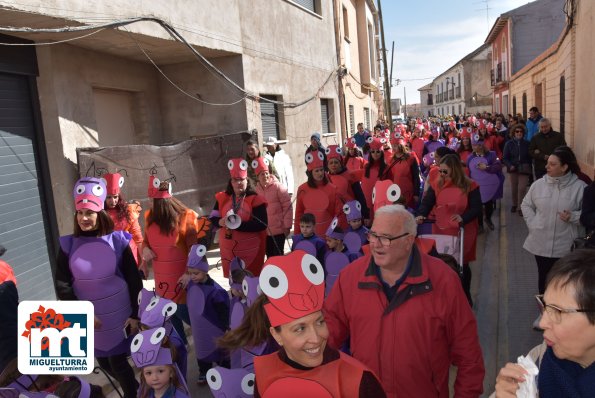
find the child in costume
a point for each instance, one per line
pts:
(353, 212)
(160, 377)
(307, 234)
(208, 305)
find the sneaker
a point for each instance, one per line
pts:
(536, 324)
(513, 209)
(490, 224)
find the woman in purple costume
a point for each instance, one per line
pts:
(96, 264)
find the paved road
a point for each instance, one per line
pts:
(503, 286)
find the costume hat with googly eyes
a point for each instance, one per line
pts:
(330, 231)
(352, 210)
(350, 143)
(314, 160)
(114, 182)
(476, 139)
(466, 132)
(146, 349)
(89, 193)
(197, 258)
(385, 193)
(294, 285)
(238, 168)
(157, 312)
(334, 152)
(259, 165)
(159, 189)
(377, 144)
(397, 139)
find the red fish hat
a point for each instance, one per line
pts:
(238, 168)
(154, 188)
(334, 152)
(294, 285)
(350, 143)
(466, 132)
(385, 193)
(314, 160)
(114, 183)
(377, 144)
(260, 164)
(397, 138)
(481, 124)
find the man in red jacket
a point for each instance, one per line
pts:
(406, 315)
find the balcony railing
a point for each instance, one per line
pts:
(458, 91)
(452, 94)
(499, 73)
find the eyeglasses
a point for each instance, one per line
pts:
(519, 131)
(443, 172)
(383, 240)
(555, 312)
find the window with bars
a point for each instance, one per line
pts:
(351, 120)
(367, 118)
(269, 115)
(310, 5)
(325, 115)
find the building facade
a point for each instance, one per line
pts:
(137, 85)
(517, 38)
(426, 100)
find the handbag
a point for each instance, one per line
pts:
(586, 242)
(525, 168)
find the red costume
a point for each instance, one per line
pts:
(323, 202)
(405, 173)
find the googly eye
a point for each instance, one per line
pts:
(201, 250)
(309, 158)
(137, 341)
(157, 336)
(432, 155)
(121, 182)
(156, 183)
(320, 155)
(358, 206)
(152, 304)
(369, 140)
(266, 161)
(248, 384)
(97, 190)
(327, 151)
(393, 193)
(374, 195)
(339, 150)
(140, 296)
(244, 164)
(230, 164)
(273, 281)
(476, 137)
(214, 379)
(80, 189)
(469, 129)
(346, 209)
(254, 164)
(169, 309)
(245, 287)
(334, 223)
(353, 140)
(312, 269)
(383, 141)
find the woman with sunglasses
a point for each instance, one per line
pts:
(566, 358)
(455, 201)
(375, 170)
(518, 164)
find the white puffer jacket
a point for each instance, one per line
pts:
(549, 236)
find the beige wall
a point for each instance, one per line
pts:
(584, 98)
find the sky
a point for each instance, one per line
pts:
(432, 35)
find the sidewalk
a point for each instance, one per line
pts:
(504, 283)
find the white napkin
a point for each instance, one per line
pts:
(528, 388)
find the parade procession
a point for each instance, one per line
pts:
(245, 205)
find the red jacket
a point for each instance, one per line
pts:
(410, 342)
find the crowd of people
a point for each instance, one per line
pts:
(368, 302)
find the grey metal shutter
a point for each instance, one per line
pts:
(308, 4)
(324, 115)
(23, 225)
(269, 117)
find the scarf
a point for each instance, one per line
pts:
(563, 378)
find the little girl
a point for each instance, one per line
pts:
(160, 376)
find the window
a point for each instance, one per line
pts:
(539, 97)
(310, 5)
(325, 115)
(505, 105)
(345, 23)
(562, 103)
(367, 118)
(514, 105)
(351, 120)
(459, 83)
(497, 104)
(460, 109)
(269, 114)
(525, 106)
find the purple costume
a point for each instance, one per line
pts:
(319, 243)
(353, 211)
(230, 383)
(490, 180)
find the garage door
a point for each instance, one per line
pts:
(23, 224)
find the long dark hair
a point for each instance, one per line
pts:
(104, 223)
(457, 174)
(166, 214)
(464, 147)
(372, 162)
(249, 188)
(567, 157)
(121, 208)
(312, 183)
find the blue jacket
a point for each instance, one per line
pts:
(516, 152)
(532, 127)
